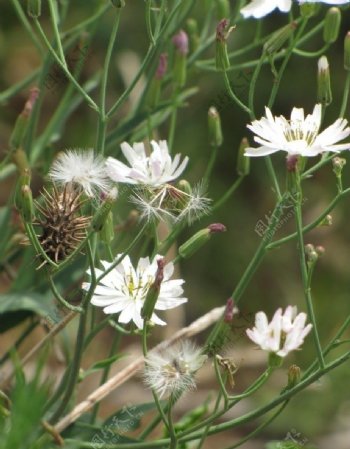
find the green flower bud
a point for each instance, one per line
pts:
(18, 133)
(185, 186)
(293, 376)
(214, 127)
(327, 221)
(223, 9)
(338, 165)
(243, 162)
(19, 158)
(279, 38)
(324, 92)
(103, 211)
(107, 231)
(180, 40)
(347, 51)
(34, 8)
(26, 203)
(222, 32)
(331, 25)
(155, 87)
(153, 292)
(193, 36)
(23, 180)
(201, 237)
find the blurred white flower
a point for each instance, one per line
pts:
(285, 332)
(124, 289)
(260, 8)
(297, 136)
(82, 168)
(154, 170)
(172, 371)
(329, 2)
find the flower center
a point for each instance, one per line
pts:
(298, 130)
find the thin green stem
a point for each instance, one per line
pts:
(172, 432)
(305, 275)
(74, 371)
(23, 18)
(102, 123)
(233, 95)
(60, 298)
(149, 21)
(227, 195)
(262, 426)
(54, 22)
(64, 67)
(313, 224)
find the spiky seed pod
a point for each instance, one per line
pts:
(63, 229)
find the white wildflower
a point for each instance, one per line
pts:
(154, 170)
(124, 289)
(81, 168)
(172, 371)
(260, 8)
(297, 136)
(285, 332)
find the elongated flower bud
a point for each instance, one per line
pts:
(193, 35)
(19, 158)
(293, 376)
(324, 92)
(222, 32)
(180, 40)
(194, 243)
(243, 162)
(331, 25)
(153, 291)
(18, 133)
(26, 203)
(156, 83)
(347, 51)
(107, 232)
(279, 38)
(34, 8)
(214, 127)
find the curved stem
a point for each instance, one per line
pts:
(64, 67)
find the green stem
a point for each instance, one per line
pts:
(74, 371)
(54, 22)
(23, 18)
(172, 432)
(102, 123)
(149, 21)
(59, 297)
(312, 225)
(104, 377)
(262, 426)
(64, 67)
(233, 95)
(305, 275)
(228, 194)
